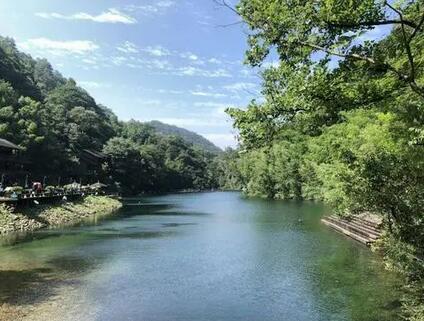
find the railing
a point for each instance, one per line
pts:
(45, 196)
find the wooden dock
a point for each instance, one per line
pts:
(25, 200)
(364, 228)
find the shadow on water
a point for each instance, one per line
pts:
(25, 287)
(133, 235)
(177, 224)
(126, 212)
(351, 276)
(31, 286)
(34, 286)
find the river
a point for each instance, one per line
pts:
(201, 256)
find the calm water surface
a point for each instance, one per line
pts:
(206, 256)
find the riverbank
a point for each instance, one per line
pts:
(48, 216)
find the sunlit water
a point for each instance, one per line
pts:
(205, 256)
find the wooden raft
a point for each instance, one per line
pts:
(363, 228)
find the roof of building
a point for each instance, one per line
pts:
(95, 154)
(6, 144)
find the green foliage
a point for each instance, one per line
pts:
(225, 168)
(348, 132)
(144, 161)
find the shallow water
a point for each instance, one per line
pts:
(203, 256)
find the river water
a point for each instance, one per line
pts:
(203, 256)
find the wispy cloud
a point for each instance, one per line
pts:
(241, 86)
(219, 107)
(157, 51)
(170, 91)
(207, 94)
(110, 16)
(150, 102)
(128, 47)
(199, 72)
(222, 140)
(191, 122)
(93, 85)
(57, 47)
(214, 61)
(189, 55)
(154, 8)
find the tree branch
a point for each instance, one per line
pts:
(230, 24)
(338, 54)
(371, 23)
(407, 79)
(224, 3)
(407, 44)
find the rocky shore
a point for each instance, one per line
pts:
(46, 216)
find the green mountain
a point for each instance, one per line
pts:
(65, 135)
(188, 136)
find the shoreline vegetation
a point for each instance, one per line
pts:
(50, 216)
(347, 131)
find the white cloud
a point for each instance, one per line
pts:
(220, 107)
(241, 86)
(110, 16)
(150, 102)
(156, 64)
(128, 47)
(93, 85)
(222, 140)
(57, 47)
(191, 122)
(157, 51)
(170, 91)
(214, 61)
(189, 55)
(165, 4)
(119, 60)
(207, 94)
(193, 71)
(89, 61)
(156, 8)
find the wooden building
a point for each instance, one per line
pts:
(92, 162)
(13, 166)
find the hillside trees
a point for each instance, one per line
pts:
(55, 122)
(142, 160)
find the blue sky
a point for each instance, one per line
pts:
(166, 59)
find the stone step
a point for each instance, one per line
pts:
(355, 236)
(359, 224)
(354, 228)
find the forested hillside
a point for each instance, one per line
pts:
(349, 131)
(56, 122)
(188, 136)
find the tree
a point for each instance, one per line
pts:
(300, 30)
(349, 132)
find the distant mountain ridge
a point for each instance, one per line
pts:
(187, 135)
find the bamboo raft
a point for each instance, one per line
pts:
(363, 228)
